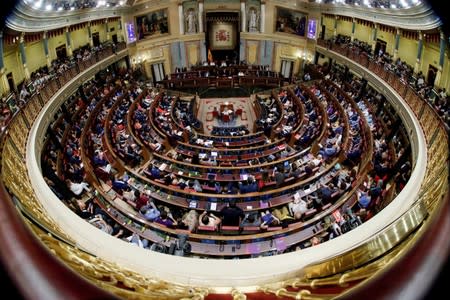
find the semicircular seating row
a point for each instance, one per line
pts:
(127, 143)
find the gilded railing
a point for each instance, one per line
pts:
(13, 167)
(105, 274)
(435, 183)
(112, 277)
(14, 140)
(403, 235)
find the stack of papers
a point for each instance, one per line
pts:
(213, 206)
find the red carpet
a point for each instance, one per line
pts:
(239, 103)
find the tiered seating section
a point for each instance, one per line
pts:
(223, 76)
(150, 178)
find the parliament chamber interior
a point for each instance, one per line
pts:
(240, 149)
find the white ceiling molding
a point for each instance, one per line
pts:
(26, 19)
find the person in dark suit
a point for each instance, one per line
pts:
(232, 215)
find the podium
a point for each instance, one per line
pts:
(227, 112)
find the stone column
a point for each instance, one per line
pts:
(3, 79)
(374, 37)
(353, 29)
(23, 55)
(200, 16)
(68, 42)
(437, 80)
(46, 52)
(2, 63)
(121, 35)
(91, 41)
(335, 26)
(419, 53)
(243, 17)
(181, 17)
(397, 43)
(262, 22)
(107, 30)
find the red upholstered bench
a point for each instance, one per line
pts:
(326, 206)
(248, 229)
(274, 228)
(309, 213)
(229, 228)
(206, 228)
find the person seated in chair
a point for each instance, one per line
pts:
(209, 219)
(298, 207)
(120, 184)
(268, 219)
(232, 215)
(150, 211)
(251, 219)
(166, 218)
(283, 215)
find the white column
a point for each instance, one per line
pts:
(107, 30)
(4, 85)
(243, 17)
(437, 80)
(23, 55)
(91, 41)
(419, 53)
(374, 38)
(263, 17)
(200, 16)
(353, 29)
(47, 54)
(335, 26)
(68, 42)
(397, 42)
(181, 18)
